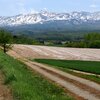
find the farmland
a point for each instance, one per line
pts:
(86, 66)
(47, 52)
(78, 87)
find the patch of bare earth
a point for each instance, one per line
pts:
(30, 51)
(82, 89)
(5, 91)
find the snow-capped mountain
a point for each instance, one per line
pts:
(45, 16)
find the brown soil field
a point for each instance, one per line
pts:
(31, 51)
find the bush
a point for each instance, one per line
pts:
(94, 44)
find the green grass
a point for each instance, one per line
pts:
(26, 84)
(86, 66)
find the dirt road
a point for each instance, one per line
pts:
(5, 92)
(31, 51)
(82, 89)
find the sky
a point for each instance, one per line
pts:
(14, 7)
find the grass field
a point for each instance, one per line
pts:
(26, 84)
(86, 66)
(65, 65)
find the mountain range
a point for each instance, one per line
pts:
(45, 16)
(50, 21)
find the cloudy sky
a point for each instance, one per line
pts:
(14, 7)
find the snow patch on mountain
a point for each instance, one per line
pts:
(44, 16)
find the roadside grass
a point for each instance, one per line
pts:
(26, 84)
(66, 65)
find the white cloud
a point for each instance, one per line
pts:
(33, 11)
(26, 11)
(22, 4)
(93, 6)
(45, 9)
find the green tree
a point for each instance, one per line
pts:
(5, 40)
(94, 44)
(92, 37)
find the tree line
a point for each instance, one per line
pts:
(91, 40)
(7, 40)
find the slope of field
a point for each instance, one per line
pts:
(26, 84)
(86, 66)
(80, 88)
(31, 51)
